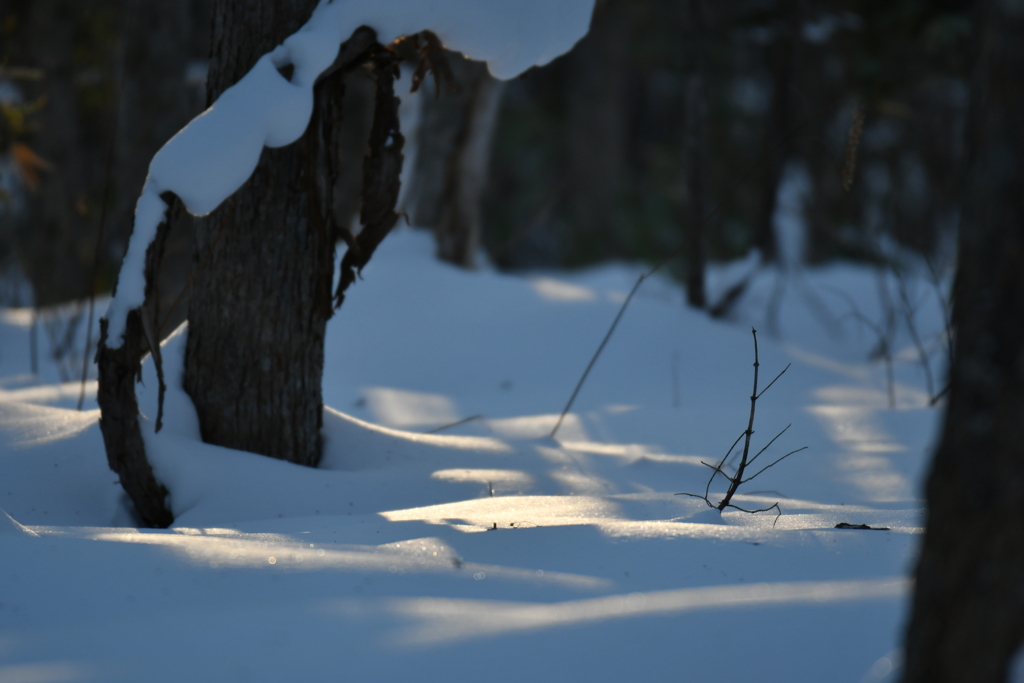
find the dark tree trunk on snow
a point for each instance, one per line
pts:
(968, 608)
(261, 296)
(262, 287)
(118, 371)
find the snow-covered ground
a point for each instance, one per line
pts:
(490, 551)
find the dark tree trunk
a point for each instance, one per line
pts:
(968, 606)
(596, 170)
(783, 56)
(261, 296)
(119, 370)
(697, 166)
(262, 286)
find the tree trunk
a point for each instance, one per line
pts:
(454, 142)
(261, 296)
(697, 166)
(968, 605)
(783, 58)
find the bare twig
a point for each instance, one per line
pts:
(590, 365)
(751, 478)
(768, 445)
(737, 479)
(454, 424)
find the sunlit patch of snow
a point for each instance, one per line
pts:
(9, 525)
(559, 290)
(618, 408)
(499, 480)
(19, 317)
(447, 620)
(850, 370)
(29, 425)
(48, 393)
(854, 428)
(631, 453)
(403, 408)
(539, 427)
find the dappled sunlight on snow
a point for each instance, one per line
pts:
(559, 290)
(498, 481)
(509, 511)
(402, 408)
(48, 393)
(863, 462)
(18, 317)
(222, 549)
(631, 453)
(655, 515)
(539, 427)
(443, 620)
(31, 425)
(402, 540)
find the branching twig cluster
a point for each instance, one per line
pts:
(738, 477)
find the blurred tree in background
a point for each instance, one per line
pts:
(591, 155)
(113, 81)
(620, 149)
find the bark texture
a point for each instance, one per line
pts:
(261, 296)
(968, 605)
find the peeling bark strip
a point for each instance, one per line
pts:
(381, 170)
(126, 454)
(432, 60)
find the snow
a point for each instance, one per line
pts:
(490, 551)
(209, 159)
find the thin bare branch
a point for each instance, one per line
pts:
(769, 443)
(767, 509)
(597, 354)
(454, 424)
(697, 495)
(803, 448)
(774, 380)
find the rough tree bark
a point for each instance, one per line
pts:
(968, 604)
(261, 296)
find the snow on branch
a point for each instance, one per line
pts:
(211, 157)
